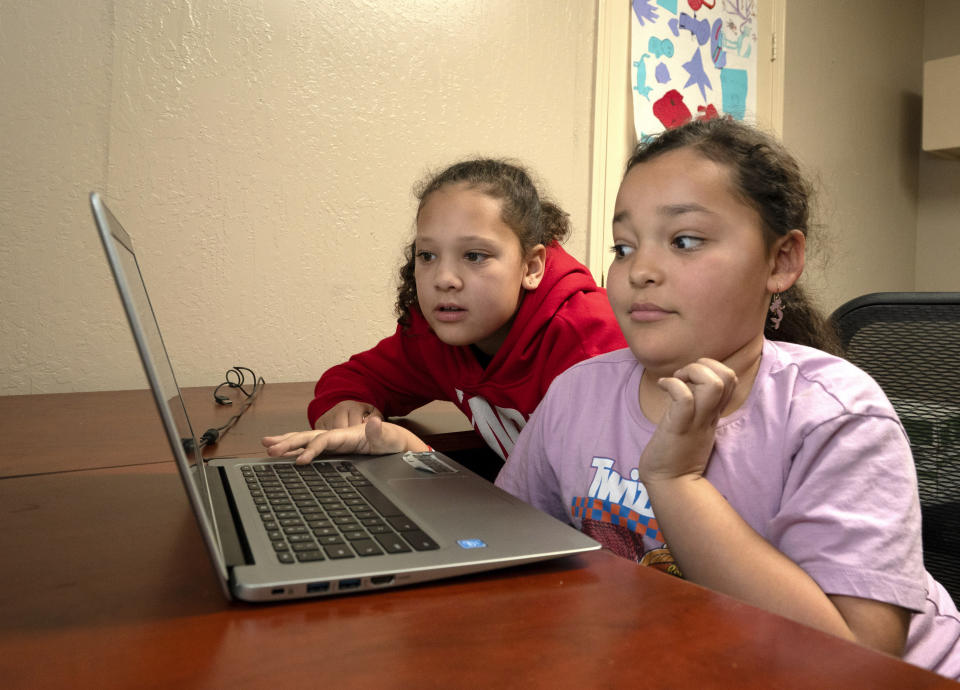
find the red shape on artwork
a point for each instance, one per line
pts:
(671, 110)
(697, 4)
(707, 113)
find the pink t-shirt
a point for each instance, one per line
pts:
(816, 461)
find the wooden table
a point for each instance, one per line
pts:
(105, 584)
(58, 433)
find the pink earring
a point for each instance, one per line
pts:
(776, 309)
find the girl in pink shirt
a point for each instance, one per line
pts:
(771, 471)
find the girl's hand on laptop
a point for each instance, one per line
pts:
(375, 437)
(347, 413)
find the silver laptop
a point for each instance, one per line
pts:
(277, 531)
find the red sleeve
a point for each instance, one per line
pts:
(391, 376)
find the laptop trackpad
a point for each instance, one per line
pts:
(456, 499)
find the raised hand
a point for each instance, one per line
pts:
(681, 445)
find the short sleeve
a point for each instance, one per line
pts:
(850, 514)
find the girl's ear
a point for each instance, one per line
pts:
(533, 267)
(786, 261)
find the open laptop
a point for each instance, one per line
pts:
(276, 531)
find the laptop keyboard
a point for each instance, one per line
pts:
(328, 510)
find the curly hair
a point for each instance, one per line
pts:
(533, 218)
(768, 179)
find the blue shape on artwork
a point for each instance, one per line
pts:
(717, 53)
(698, 27)
(663, 73)
(641, 87)
(674, 26)
(733, 84)
(742, 45)
(698, 77)
(645, 11)
(660, 48)
(668, 5)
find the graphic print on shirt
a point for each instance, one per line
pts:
(499, 426)
(616, 512)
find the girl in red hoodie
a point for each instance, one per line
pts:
(490, 310)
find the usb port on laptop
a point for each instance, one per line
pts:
(352, 583)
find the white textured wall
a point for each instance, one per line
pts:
(54, 128)
(261, 154)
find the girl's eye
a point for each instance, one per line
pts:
(475, 257)
(426, 257)
(686, 242)
(621, 250)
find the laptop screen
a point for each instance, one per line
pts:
(153, 354)
(163, 378)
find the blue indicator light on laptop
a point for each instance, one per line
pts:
(471, 543)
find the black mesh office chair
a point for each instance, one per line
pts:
(909, 342)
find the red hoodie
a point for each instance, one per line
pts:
(565, 320)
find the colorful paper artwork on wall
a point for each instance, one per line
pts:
(692, 59)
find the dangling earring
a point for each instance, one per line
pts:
(776, 311)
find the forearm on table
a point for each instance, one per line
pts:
(716, 548)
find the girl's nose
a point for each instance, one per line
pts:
(446, 278)
(644, 268)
